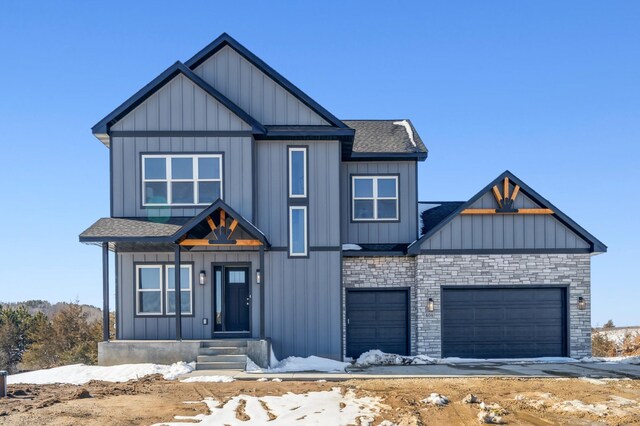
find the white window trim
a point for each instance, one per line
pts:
(167, 290)
(304, 165)
(374, 198)
(141, 290)
(306, 245)
(168, 178)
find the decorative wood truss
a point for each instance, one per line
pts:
(222, 234)
(505, 202)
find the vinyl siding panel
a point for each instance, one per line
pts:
(127, 183)
(303, 304)
(140, 328)
(180, 105)
(254, 92)
(323, 185)
(497, 232)
(404, 231)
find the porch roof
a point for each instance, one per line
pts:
(171, 230)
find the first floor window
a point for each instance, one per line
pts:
(185, 289)
(181, 179)
(374, 198)
(149, 289)
(298, 231)
(156, 289)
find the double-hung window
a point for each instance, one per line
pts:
(298, 201)
(374, 198)
(155, 289)
(185, 289)
(183, 180)
(149, 289)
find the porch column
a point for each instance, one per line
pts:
(262, 280)
(177, 293)
(105, 292)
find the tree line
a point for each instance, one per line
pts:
(31, 340)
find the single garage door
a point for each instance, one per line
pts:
(377, 319)
(504, 322)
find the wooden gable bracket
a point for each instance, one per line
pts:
(505, 203)
(221, 233)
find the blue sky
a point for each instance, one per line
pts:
(547, 89)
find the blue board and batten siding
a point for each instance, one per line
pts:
(392, 232)
(504, 231)
(254, 92)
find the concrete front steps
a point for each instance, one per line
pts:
(224, 354)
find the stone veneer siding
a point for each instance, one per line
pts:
(380, 272)
(434, 271)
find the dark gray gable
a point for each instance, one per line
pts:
(226, 40)
(506, 232)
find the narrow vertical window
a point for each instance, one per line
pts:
(298, 231)
(185, 289)
(297, 172)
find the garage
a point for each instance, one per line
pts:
(504, 322)
(377, 319)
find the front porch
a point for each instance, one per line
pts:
(220, 259)
(209, 354)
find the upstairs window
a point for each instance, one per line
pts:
(297, 172)
(187, 180)
(374, 198)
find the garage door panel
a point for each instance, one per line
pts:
(502, 322)
(377, 319)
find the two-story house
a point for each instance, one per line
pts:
(297, 232)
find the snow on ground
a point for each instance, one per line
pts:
(79, 374)
(618, 334)
(210, 379)
(436, 399)
(577, 406)
(613, 359)
(289, 409)
(377, 357)
(294, 364)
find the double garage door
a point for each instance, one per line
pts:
(477, 322)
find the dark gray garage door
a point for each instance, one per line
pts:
(377, 319)
(503, 322)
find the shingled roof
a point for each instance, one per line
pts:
(386, 137)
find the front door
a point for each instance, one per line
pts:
(232, 299)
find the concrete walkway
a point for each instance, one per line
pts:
(598, 370)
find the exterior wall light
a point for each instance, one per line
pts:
(258, 276)
(430, 305)
(582, 304)
(203, 277)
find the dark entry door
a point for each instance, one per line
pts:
(237, 299)
(504, 322)
(377, 319)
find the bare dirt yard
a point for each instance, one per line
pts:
(152, 400)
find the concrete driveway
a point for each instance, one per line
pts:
(595, 370)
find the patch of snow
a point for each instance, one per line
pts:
(252, 367)
(277, 379)
(290, 409)
(623, 401)
(377, 357)
(577, 406)
(311, 363)
(613, 359)
(321, 381)
(593, 381)
(210, 379)
(387, 423)
(436, 399)
(489, 418)
(272, 358)
(262, 379)
(79, 374)
(407, 127)
(346, 247)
